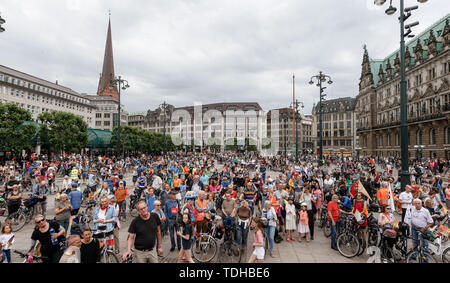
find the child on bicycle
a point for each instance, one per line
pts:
(186, 239)
(258, 244)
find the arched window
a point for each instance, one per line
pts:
(432, 136)
(419, 138)
(397, 139)
(448, 135)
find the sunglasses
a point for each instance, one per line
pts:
(40, 221)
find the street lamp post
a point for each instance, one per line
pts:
(297, 118)
(124, 83)
(321, 78)
(2, 21)
(405, 176)
(164, 107)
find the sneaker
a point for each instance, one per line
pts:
(172, 249)
(272, 255)
(179, 249)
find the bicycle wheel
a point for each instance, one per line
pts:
(372, 239)
(204, 249)
(327, 229)
(348, 245)
(387, 255)
(17, 220)
(109, 257)
(230, 253)
(133, 210)
(446, 255)
(420, 257)
(362, 246)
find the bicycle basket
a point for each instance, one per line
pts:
(390, 233)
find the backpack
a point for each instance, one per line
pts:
(121, 194)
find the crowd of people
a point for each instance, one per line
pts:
(180, 193)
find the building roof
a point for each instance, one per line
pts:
(337, 105)
(436, 29)
(108, 63)
(142, 113)
(36, 80)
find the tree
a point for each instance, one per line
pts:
(16, 134)
(62, 131)
(133, 139)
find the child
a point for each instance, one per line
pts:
(6, 240)
(303, 227)
(186, 239)
(290, 220)
(258, 244)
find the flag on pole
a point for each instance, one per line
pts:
(363, 190)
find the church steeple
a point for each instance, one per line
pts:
(104, 85)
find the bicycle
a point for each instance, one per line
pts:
(347, 240)
(36, 259)
(134, 200)
(107, 254)
(205, 244)
(420, 254)
(229, 252)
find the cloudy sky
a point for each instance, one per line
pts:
(206, 51)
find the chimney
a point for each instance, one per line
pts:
(56, 82)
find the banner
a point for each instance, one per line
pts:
(363, 190)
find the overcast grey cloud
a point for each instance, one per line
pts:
(210, 51)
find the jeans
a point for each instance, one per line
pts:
(333, 234)
(172, 231)
(6, 255)
(122, 209)
(228, 219)
(271, 233)
(241, 235)
(415, 236)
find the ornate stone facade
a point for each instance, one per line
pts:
(427, 60)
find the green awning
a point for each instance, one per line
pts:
(99, 138)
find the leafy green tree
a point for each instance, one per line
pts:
(16, 134)
(133, 139)
(62, 131)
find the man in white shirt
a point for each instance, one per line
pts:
(406, 199)
(328, 183)
(157, 182)
(419, 219)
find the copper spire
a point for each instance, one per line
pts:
(108, 68)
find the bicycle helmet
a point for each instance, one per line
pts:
(190, 195)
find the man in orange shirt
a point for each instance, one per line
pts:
(383, 194)
(333, 217)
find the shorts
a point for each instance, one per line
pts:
(259, 252)
(187, 244)
(74, 212)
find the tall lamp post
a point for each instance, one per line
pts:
(297, 118)
(120, 84)
(321, 78)
(164, 107)
(405, 176)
